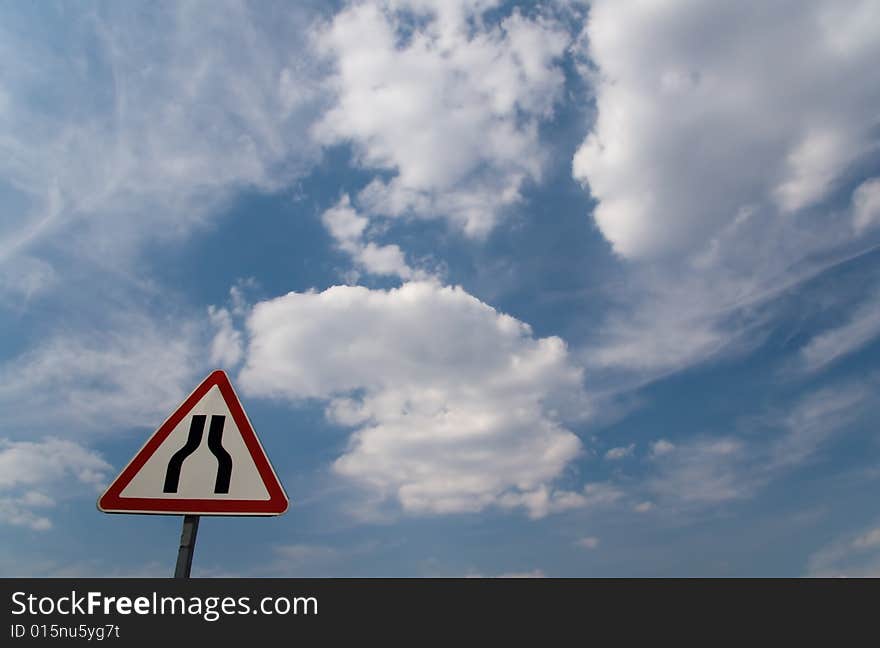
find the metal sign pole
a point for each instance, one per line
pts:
(187, 546)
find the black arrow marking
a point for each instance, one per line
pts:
(172, 475)
(224, 460)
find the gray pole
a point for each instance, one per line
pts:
(187, 546)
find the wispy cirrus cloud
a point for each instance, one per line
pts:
(35, 475)
(853, 555)
(859, 330)
(121, 126)
(708, 470)
(99, 381)
(124, 123)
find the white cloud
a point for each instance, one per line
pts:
(710, 114)
(121, 127)
(458, 407)
(715, 305)
(868, 540)
(621, 452)
(709, 137)
(644, 507)
(866, 205)
(41, 565)
(30, 463)
(449, 103)
(661, 447)
(707, 471)
(830, 346)
(348, 228)
(853, 555)
(26, 278)
(543, 501)
(304, 553)
(814, 419)
(124, 374)
(123, 122)
(703, 472)
(589, 542)
(226, 347)
(534, 573)
(666, 319)
(16, 512)
(813, 164)
(100, 569)
(31, 469)
(306, 560)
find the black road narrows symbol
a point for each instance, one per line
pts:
(224, 461)
(193, 441)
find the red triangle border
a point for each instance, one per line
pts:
(112, 502)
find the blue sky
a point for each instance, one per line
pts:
(560, 289)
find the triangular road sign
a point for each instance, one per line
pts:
(204, 460)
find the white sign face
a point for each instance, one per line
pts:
(198, 472)
(205, 460)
